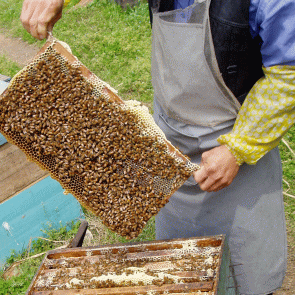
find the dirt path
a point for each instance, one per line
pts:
(16, 49)
(21, 52)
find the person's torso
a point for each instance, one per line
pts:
(237, 53)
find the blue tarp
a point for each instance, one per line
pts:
(2, 139)
(41, 206)
(3, 86)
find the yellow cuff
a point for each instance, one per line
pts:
(265, 116)
(239, 159)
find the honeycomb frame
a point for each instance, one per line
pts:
(59, 114)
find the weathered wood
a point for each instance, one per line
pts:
(152, 266)
(136, 247)
(227, 284)
(78, 239)
(173, 288)
(150, 257)
(16, 172)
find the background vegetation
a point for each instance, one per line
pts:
(113, 43)
(52, 239)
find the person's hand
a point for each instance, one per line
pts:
(218, 169)
(39, 16)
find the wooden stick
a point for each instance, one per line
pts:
(287, 183)
(52, 240)
(288, 146)
(288, 195)
(40, 254)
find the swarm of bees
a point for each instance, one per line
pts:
(94, 146)
(179, 267)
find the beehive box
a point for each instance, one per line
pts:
(178, 266)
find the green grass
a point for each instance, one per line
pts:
(113, 43)
(288, 160)
(19, 284)
(8, 67)
(110, 237)
(148, 234)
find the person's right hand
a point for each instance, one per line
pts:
(39, 16)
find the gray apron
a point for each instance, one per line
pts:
(193, 107)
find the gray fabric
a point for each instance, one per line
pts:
(193, 110)
(181, 72)
(250, 211)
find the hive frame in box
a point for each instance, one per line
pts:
(222, 283)
(142, 196)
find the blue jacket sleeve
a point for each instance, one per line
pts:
(274, 21)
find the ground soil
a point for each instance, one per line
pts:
(21, 52)
(16, 50)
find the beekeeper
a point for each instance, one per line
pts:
(223, 77)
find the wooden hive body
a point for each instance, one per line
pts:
(178, 266)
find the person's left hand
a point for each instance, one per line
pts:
(218, 169)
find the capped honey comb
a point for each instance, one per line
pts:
(108, 153)
(178, 266)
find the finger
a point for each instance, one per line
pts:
(42, 30)
(26, 15)
(33, 29)
(206, 184)
(200, 175)
(53, 22)
(213, 182)
(216, 185)
(32, 22)
(44, 25)
(38, 18)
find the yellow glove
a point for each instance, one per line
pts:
(265, 116)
